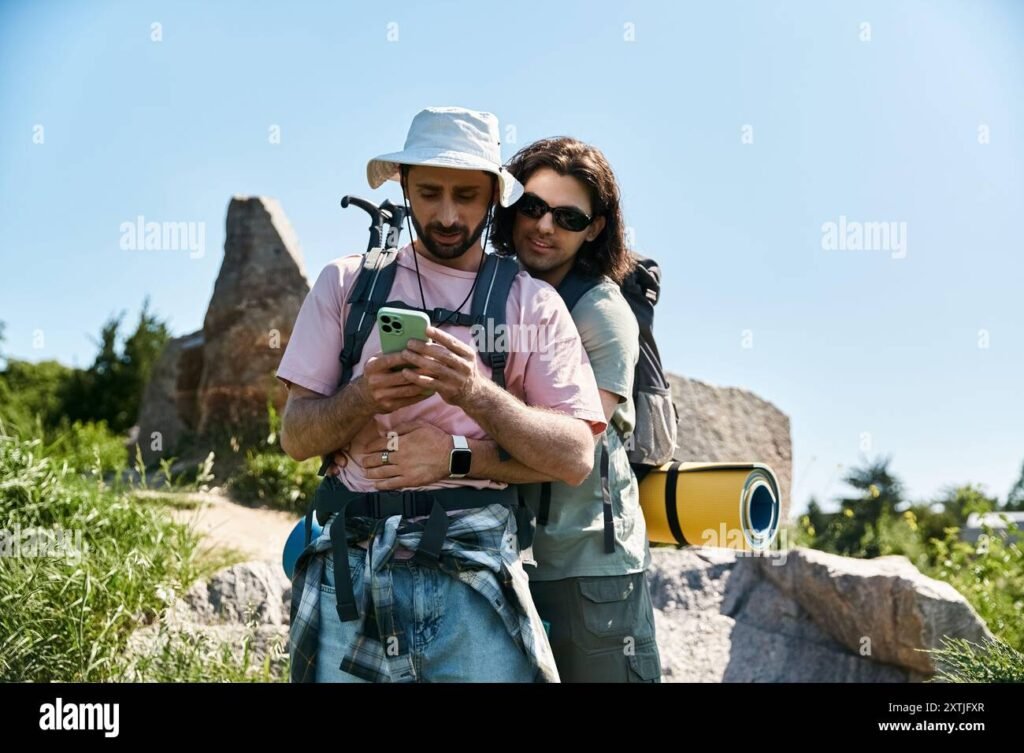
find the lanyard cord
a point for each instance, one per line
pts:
(415, 261)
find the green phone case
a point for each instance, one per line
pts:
(398, 326)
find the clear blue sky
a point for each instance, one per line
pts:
(845, 342)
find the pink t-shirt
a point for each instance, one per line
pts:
(547, 365)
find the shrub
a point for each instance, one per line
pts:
(274, 479)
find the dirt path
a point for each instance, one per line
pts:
(258, 532)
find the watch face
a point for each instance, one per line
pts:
(460, 460)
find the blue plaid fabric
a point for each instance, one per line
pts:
(480, 549)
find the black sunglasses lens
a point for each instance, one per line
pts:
(571, 219)
(532, 206)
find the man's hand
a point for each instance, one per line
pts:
(417, 456)
(447, 365)
(385, 390)
(369, 433)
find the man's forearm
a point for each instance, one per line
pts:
(319, 426)
(487, 465)
(552, 443)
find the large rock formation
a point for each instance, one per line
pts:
(719, 424)
(216, 382)
(259, 290)
(801, 616)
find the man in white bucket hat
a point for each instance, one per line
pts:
(424, 582)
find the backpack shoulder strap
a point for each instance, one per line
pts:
(642, 288)
(490, 299)
(544, 509)
(574, 286)
(371, 291)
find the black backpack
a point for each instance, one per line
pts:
(653, 441)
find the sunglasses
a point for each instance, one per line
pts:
(567, 218)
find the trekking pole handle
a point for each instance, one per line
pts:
(394, 215)
(376, 218)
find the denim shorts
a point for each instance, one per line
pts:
(453, 632)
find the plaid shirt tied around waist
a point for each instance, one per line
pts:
(479, 548)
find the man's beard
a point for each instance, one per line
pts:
(448, 252)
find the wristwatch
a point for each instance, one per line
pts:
(460, 459)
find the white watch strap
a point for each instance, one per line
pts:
(459, 442)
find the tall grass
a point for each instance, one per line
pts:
(67, 607)
(963, 661)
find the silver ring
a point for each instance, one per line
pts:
(384, 457)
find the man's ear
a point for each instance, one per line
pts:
(595, 228)
(403, 177)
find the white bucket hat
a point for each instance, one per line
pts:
(450, 137)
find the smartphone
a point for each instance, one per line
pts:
(397, 327)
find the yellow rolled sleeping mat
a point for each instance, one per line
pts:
(728, 505)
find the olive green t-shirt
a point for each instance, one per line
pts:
(572, 542)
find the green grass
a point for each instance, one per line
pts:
(68, 618)
(964, 661)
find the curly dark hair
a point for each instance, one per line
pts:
(607, 253)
